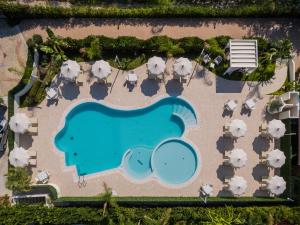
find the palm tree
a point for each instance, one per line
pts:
(164, 219)
(108, 199)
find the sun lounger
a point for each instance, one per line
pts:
(32, 154)
(263, 155)
(32, 162)
(33, 130)
(226, 180)
(80, 79)
(33, 121)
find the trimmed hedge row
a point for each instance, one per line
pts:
(185, 215)
(18, 11)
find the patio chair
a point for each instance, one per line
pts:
(228, 105)
(33, 121)
(206, 59)
(80, 79)
(226, 180)
(226, 155)
(32, 162)
(33, 131)
(218, 60)
(263, 155)
(226, 162)
(252, 102)
(32, 154)
(264, 179)
(263, 186)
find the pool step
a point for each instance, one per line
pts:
(186, 114)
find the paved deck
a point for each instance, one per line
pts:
(208, 101)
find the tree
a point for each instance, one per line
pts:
(224, 217)
(18, 179)
(109, 201)
(94, 51)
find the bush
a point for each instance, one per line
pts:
(18, 179)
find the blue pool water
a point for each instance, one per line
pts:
(96, 138)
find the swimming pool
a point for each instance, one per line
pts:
(97, 138)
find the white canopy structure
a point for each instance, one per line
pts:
(19, 123)
(276, 185)
(243, 55)
(70, 70)
(156, 65)
(276, 158)
(238, 158)
(237, 185)
(101, 69)
(18, 157)
(237, 128)
(182, 67)
(276, 128)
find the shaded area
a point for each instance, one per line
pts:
(149, 87)
(70, 91)
(225, 171)
(260, 144)
(228, 86)
(174, 87)
(224, 144)
(98, 90)
(259, 171)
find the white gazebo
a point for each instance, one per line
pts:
(156, 66)
(70, 70)
(276, 128)
(182, 67)
(19, 157)
(237, 128)
(276, 185)
(237, 158)
(101, 69)
(243, 55)
(276, 158)
(237, 185)
(19, 123)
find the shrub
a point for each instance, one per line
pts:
(94, 51)
(18, 179)
(214, 48)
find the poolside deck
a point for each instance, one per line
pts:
(207, 100)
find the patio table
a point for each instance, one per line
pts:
(231, 105)
(42, 176)
(207, 189)
(51, 93)
(132, 77)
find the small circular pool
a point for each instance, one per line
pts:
(174, 161)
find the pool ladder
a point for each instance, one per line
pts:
(81, 182)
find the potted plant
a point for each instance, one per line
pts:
(275, 106)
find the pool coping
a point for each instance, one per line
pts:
(120, 170)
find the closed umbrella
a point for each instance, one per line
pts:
(276, 185)
(276, 128)
(70, 70)
(156, 65)
(19, 123)
(101, 69)
(182, 67)
(276, 158)
(237, 128)
(238, 158)
(18, 157)
(237, 185)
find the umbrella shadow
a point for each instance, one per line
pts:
(259, 171)
(174, 87)
(260, 144)
(225, 171)
(25, 140)
(245, 111)
(70, 91)
(225, 193)
(261, 193)
(98, 90)
(224, 144)
(149, 87)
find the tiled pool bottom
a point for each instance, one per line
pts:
(96, 137)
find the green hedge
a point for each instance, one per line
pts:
(16, 89)
(18, 215)
(18, 11)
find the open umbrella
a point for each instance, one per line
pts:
(238, 158)
(182, 67)
(276, 185)
(19, 123)
(276, 128)
(237, 128)
(70, 70)
(156, 65)
(101, 69)
(237, 185)
(276, 158)
(18, 157)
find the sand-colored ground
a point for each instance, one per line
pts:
(208, 101)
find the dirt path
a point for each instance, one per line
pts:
(145, 28)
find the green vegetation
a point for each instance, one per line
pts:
(18, 179)
(161, 8)
(143, 216)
